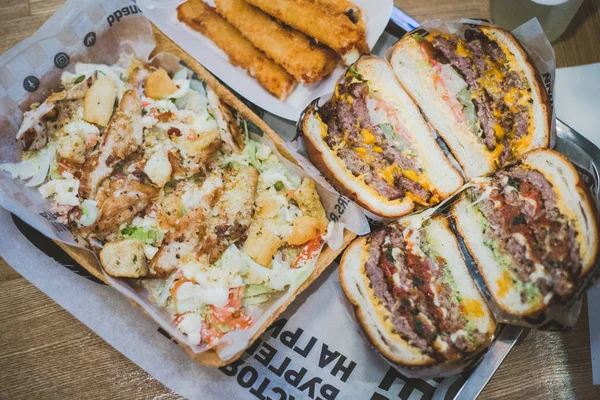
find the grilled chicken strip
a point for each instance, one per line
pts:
(193, 201)
(127, 197)
(33, 133)
(235, 210)
(122, 137)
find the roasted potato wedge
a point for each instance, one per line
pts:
(124, 259)
(99, 101)
(159, 85)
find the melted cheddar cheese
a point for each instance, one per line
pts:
(504, 283)
(368, 136)
(472, 308)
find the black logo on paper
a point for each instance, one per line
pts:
(123, 12)
(90, 39)
(31, 83)
(61, 59)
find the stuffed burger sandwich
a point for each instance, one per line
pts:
(532, 229)
(372, 142)
(413, 294)
(479, 89)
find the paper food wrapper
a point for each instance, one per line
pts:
(315, 350)
(98, 32)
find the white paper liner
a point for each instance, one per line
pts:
(164, 15)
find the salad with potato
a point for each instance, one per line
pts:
(161, 179)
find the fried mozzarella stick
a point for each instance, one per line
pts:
(204, 19)
(326, 26)
(293, 50)
(348, 8)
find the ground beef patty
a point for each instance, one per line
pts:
(530, 230)
(403, 281)
(485, 68)
(347, 118)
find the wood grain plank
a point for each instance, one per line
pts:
(6, 272)
(39, 7)
(580, 44)
(15, 30)
(46, 353)
(11, 9)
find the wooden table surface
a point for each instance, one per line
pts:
(47, 353)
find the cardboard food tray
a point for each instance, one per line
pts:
(88, 261)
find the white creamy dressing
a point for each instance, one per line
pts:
(63, 191)
(191, 325)
(194, 196)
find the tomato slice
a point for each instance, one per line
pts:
(231, 313)
(310, 250)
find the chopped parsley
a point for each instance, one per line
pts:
(79, 79)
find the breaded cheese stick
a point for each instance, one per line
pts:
(348, 8)
(293, 50)
(204, 19)
(326, 26)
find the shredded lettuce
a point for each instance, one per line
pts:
(388, 131)
(256, 294)
(250, 301)
(256, 290)
(418, 37)
(144, 234)
(464, 97)
(260, 157)
(276, 278)
(353, 72)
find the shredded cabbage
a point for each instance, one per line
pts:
(34, 166)
(64, 191)
(255, 153)
(89, 208)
